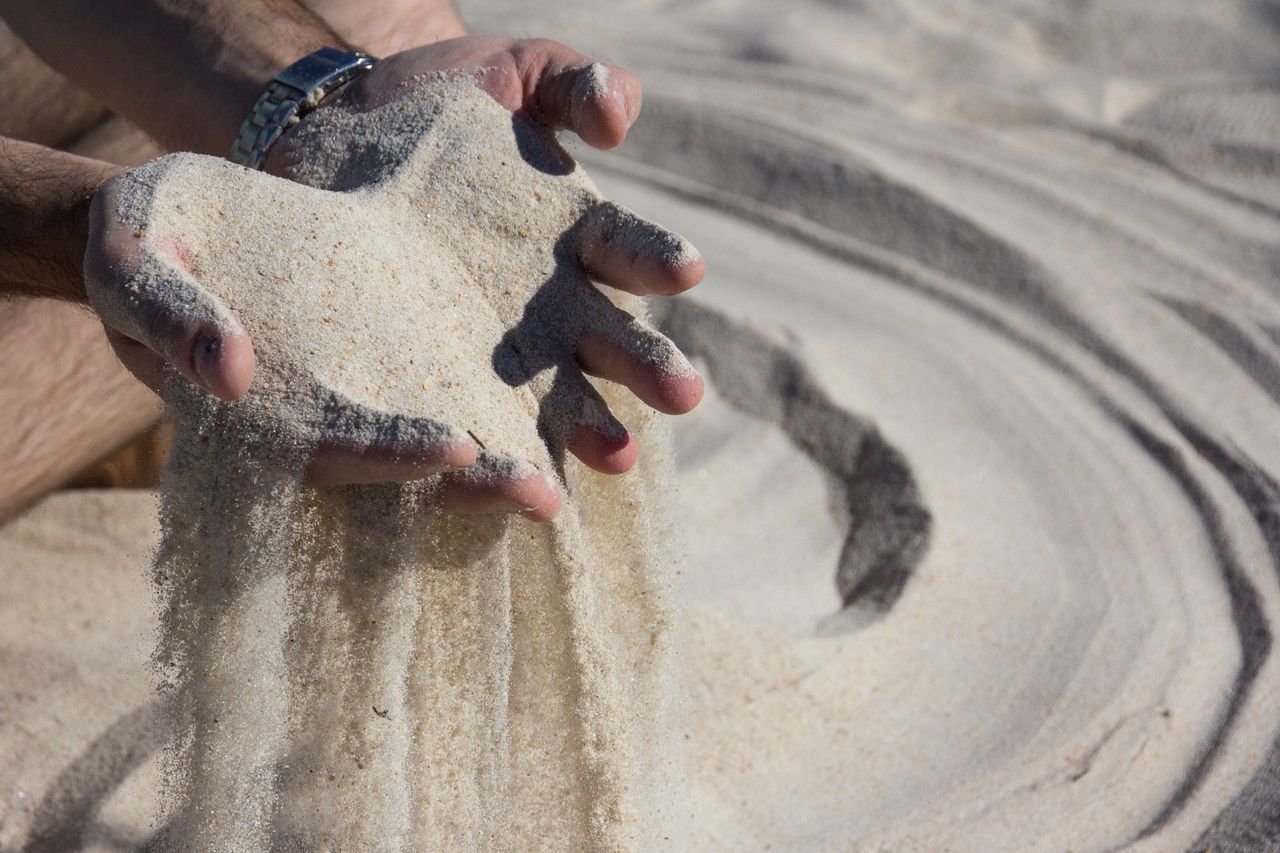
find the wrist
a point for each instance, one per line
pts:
(294, 92)
(45, 196)
(186, 73)
(253, 65)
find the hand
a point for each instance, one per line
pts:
(541, 80)
(554, 86)
(182, 326)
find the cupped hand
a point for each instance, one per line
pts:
(543, 81)
(178, 324)
(554, 86)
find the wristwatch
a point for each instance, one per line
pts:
(293, 93)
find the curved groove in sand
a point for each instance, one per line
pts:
(65, 812)
(840, 193)
(877, 501)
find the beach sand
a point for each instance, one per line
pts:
(979, 510)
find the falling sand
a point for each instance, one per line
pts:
(354, 669)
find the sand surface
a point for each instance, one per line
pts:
(1003, 269)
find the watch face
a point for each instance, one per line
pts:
(322, 68)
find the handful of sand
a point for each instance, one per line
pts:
(434, 292)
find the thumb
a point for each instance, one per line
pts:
(141, 286)
(564, 88)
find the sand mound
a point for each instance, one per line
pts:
(429, 291)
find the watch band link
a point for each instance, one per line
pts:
(275, 112)
(294, 92)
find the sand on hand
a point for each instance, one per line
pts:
(353, 668)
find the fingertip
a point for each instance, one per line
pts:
(608, 454)
(604, 102)
(224, 363)
(647, 363)
(680, 274)
(462, 454)
(242, 362)
(494, 486)
(618, 248)
(547, 508)
(680, 393)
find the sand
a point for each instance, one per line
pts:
(1032, 247)
(352, 669)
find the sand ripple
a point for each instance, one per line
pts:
(1070, 346)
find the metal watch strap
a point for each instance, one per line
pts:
(293, 93)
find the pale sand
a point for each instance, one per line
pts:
(1034, 246)
(350, 669)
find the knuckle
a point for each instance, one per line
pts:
(539, 50)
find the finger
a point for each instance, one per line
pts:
(169, 314)
(139, 285)
(633, 254)
(563, 88)
(501, 485)
(606, 452)
(341, 464)
(597, 438)
(618, 347)
(361, 445)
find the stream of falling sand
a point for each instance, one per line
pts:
(372, 675)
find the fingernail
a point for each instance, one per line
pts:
(206, 354)
(618, 90)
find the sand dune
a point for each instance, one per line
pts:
(980, 509)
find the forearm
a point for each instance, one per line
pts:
(384, 27)
(44, 216)
(185, 71)
(65, 401)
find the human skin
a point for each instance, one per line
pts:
(69, 410)
(537, 78)
(385, 27)
(65, 400)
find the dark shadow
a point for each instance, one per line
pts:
(540, 148)
(524, 351)
(528, 348)
(887, 525)
(67, 810)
